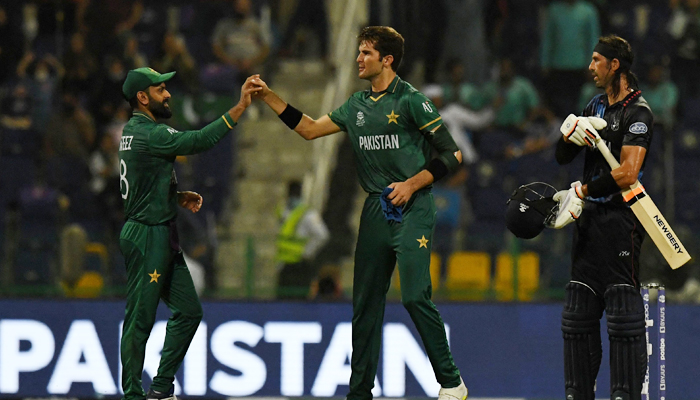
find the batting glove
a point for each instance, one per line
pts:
(570, 205)
(582, 130)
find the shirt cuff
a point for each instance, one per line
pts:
(230, 123)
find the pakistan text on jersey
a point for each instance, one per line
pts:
(125, 143)
(379, 142)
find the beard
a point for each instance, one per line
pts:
(159, 109)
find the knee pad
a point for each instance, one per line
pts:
(580, 325)
(628, 353)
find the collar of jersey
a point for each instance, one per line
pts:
(624, 102)
(390, 89)
(140, 114)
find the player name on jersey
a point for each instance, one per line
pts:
(125, 143)
(379, 142)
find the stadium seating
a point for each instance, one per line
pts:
(528, 275)
(468, 276)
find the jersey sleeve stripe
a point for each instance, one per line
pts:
(430, 123)
(227, 123)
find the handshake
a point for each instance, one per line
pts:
(582, 131)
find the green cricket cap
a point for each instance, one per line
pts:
(141, 78)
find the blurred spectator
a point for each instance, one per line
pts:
(326, 287)
(42, 76)
(684, 28)
(30, 24)
(571, 31)
(9, 48)
(302, 234)
(131, 56)
(73, 242)
(588, 91)
(464, 19)
(461, 121)
(18, 135)
(176, 57)
(517, 104)
(107, 92)
(16, 109)
(309, 17)
(114, 128)
(72, 130)
(240, 44)
(662, 96)
(510, 26)
(456, 89)
(42, 210)
(514, 97)
(104, 182)
(80, 64)
(102, 22)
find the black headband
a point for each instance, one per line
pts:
(609, 52)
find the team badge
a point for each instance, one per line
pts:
(423, 242)
(360, 118)
(154, 276)
(615, 125)
(638, 128)
(523, 207)
(393, 117)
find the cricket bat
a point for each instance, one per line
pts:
(649, 215)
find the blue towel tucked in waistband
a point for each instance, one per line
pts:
(391, 212)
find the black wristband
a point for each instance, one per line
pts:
(603, 186)
(437, 168)
(291, 116)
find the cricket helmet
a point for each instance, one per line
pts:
(530, 208)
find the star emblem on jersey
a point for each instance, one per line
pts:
(154, 276)
(423, 242)
(392, 117)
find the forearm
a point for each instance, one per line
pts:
(420, 180)
(236, 111)
(275, 102)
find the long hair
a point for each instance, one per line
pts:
(385, 40)
(626, 58)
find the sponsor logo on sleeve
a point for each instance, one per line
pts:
(172, 130)
(638, 128)
(427, 108)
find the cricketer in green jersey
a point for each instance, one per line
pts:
(393, 128)
(154, 261)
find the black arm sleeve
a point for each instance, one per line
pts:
(442, 141)
(566, 152)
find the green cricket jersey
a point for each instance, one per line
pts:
(391, 133)
(147, 152)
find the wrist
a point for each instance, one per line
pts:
(581, 191)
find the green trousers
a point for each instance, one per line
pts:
(156, 270)
(380, 245)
